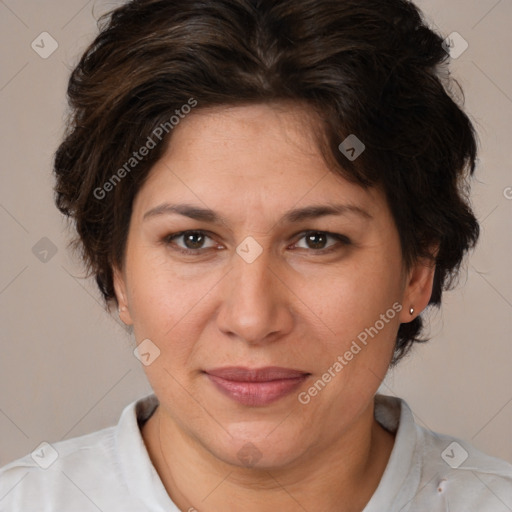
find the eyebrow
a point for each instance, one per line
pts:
(293, 216)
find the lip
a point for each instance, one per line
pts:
(256, 386)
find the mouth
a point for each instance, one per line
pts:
(258, 386)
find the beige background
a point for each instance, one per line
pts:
(67, 368)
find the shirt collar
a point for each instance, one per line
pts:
(396, 490)
(141, 478)
(400, 481)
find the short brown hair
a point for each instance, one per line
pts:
(367, 67)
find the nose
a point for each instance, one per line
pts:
(255, 304)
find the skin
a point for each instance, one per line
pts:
(295, 306)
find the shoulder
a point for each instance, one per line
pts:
(52, 469)
(437, 472)
(453, 474)
(462, 474)
(85, 473)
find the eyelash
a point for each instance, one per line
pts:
(342, 239)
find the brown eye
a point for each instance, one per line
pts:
(317, 241)
(192, 241)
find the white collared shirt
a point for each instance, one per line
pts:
(110, 471)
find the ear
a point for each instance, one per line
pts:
(418, 288)
(122, 296)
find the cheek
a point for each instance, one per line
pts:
(361, 311)
(351, 299)
(166, 305)
(152, 296)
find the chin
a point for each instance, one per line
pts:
(259, 445)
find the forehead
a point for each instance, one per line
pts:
(254, 135)
(262, 157)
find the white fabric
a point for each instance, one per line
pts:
(110, 470)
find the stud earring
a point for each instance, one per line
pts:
(411, 310)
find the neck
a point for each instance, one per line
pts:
(340, 477)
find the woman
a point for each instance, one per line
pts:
(271, 193)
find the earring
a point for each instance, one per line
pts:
(411, 310)
(121, 309)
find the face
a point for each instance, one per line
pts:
(246, 252)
